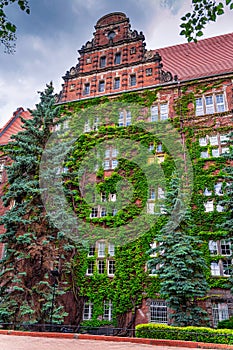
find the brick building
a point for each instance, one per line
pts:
(193, 83)
(13, 126)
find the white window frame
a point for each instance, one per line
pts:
(88, 306)
(108, 308)
(111, 262)
(209, 206)
(220, 313)
(101, 249)
(101, 266)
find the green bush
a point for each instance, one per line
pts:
(226, 323)
(200, 334)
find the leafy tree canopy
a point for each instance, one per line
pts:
(203, 12)
(7, 28)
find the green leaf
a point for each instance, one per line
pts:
(199, 33)
(11, 27)
(228, 2)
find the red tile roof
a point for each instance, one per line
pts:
(207, 57)
(13, 126)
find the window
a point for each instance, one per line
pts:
(224, 139)
(106, 164)
(87, 127)
(222, 266)
(154, 113)
(151, 147)
(101, 266)
(95, 123)
(112, 197)
(158, 311)
(103, 212)
(159, 112)
(213, 247)
(164, 111)
(94, 212)
(220, 106)
(107, 311)
(86, 89)
(207, 192)
(88, 60)
(215, 269)
(101, 86)
(218, 189)
(101, 249)
(161, 193)
(209, 206)
(215, 152)
(132, 81)
(102, 61)
(133, 50)
(1, 170)
(87, 311)
(203, 141)
(213, 140)
(151, 193)
(225, 247)
(103, 197)
(125, 118)
(72, 87)
(219, 312)
(114, 163)
(159, 148)
(111, 249)
(91, 250)
(111, 267)
(114, 211)
(204, 154)
(150, 208)
(210, 104)
(199, 106)
(90, 268)
(116, 83)
(117, 58)
(148, 71)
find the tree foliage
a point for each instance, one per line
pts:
(180, 265)
(7, 28)
(203, 12)
(34, 249)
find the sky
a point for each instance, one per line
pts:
(48, 40)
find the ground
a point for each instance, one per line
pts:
(32, 343)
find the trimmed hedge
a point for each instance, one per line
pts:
(200, 334)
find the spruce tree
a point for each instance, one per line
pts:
(30, 269)
(179, 264)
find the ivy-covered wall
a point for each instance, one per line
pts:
(131, 282)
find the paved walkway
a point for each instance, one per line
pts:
(32, 343)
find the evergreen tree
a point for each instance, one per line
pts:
(179, 264)
(30, 269)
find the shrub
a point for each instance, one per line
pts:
(200, 334)
(226, 323)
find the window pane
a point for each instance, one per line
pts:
(199, 106)
(220, 103)
(116, 83)
(203, 141)
(117, 58)
(101, 86)
(213, 248)
(154, 113)
(133, 80)
(101, 266)
(215, 269)
(214, 140)
(209, 104)
(102, 62)
(225, 247)
(158, 312)
(111, 267)
(164, 111)
(209, 206)
(101, 249)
